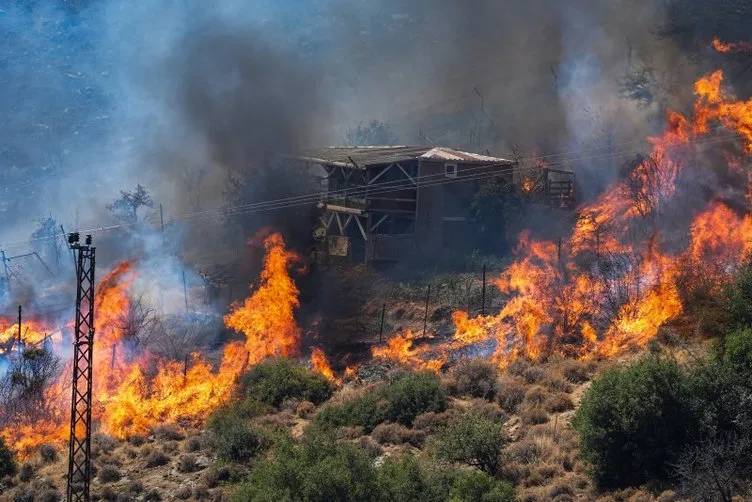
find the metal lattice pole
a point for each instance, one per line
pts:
(79, 452)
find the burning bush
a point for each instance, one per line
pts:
(400, 400)
(471, 439)
(634, 422)
(275, 380)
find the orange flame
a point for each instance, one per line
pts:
(266, 318)
(728, 47)
(320, 364)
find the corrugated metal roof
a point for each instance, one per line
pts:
(373, 155)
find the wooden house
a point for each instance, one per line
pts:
(385, 203)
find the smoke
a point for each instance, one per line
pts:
(187, 99)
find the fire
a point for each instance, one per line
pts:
(320, 364)
(399, 348)
(609, 288)
(133, 392)
(728, 47)
(32, 333)
(266, 318)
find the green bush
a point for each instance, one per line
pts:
(274, 380)
(471, 486)
(400, 401)
(8, 465)
(231, 435)
(471, 439)
(634, 421)
(315, 469)
(738, 297)
(736, 350)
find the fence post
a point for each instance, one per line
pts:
(425, 316)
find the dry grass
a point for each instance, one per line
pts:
(558, 403)
(510, 393)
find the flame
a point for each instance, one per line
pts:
(32, 332)
(729, 47)
(320, 364)
(266, 318)
(399, 349)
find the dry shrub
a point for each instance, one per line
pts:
(558, 403)
(431, 422)
(349, 432)
(556, 382)
(170, 447)
(47, 453)
(535, 396)
(510, 393)
(371, 447)
(108, 474)
(305, 409)
(102, 444)
(168, 432)
(49, 495)
(108, 494)
(193, 444)
(390, 433)
(183, 492)
(575, 371)
(472, 377)
(492, 411)
(548, 471)
(562, 488)
(153, 496)
(518, 367)
(155, 458)
(187, 463)
(134, 487)
(26, 472)
(200, 492)
(534, 374)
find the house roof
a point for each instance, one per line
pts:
(363, 156)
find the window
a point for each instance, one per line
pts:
(450, 170)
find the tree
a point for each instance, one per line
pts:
(374, 133)
(472, 439)
(46, 240)
(126, 207)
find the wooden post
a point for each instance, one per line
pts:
(185, 292)
(425, 316)
(381, 329)
(482, 294)
(161, 222)
(558, 252)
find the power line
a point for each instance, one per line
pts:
(380, 188)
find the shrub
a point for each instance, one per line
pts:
(155, 458)
(510, 393)
(168, 431)
(471, 439)
(634, 421)
(398, 401)
(406, 479)
(231, 435)
(8, 465)
(47, 453)
(477, 486)
(193, 444)
(736, 350)
(315, 469)
(473, 377)
(576, 372)
(388, 433)
(274, 380)
(187, 463)
(534, 416)
(557, 403)
(26, 472)
(738, 298)
(108, 474)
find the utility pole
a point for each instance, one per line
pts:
(482, 294)
(425, 316)
(79, 452)
(381, 329)
(185, 291)
(161, 223)
(19, 328)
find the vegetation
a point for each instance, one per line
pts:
(634, 422)
(471, 439)
(318, 468)
(400, 401)
(275, 380)
(8, 465)
(473, 377)
(232, 437)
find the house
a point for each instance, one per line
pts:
(384, 203)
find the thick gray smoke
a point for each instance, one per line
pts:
(186, 99)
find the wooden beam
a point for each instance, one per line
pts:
(383, 171)
(379, 222)
(405, 173)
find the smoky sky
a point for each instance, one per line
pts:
(181, 95)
